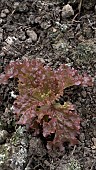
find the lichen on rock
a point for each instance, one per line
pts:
(13, 155)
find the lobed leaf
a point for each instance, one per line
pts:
(64, 123)
(39, 87)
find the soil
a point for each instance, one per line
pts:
(38, 29)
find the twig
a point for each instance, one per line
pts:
(80, 5)
(73, 150)
(75, 17)
(79, 8)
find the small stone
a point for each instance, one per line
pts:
(82, 137)
(83, 123)
(22, 8)
(84, 94)
(32, 35)
(54, 29)
(16, 4)
(31, 18)
(45, 25)
(22, 36)
(2, 54)
(3, 15)
(9, 40)
(94, 142)
(37, 19)
(6, 11)
(3, 136)
(29, 40)
(13, 95)
(67, 11)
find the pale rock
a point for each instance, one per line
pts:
(32, 35)
(3, 15)
(9, 40)
(67, 11)
(13, 95)
(16, 4)
(94, 143)
(6, 11)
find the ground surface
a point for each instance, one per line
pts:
(39, 29)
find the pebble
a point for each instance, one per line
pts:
(6, 11)
(31, 18)
(16, 4)
(67, 11)
(45, 25)
(84, 94)
(29, 41)
(3, 15)
(82, 137)
(32, 35)
(13, 95)
(22, 8)
(22, 36)
(83, 123)
(9, 40)
(2, 54)
(94, 142)
(3, 136)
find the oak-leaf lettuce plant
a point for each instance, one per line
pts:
(36, 105)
